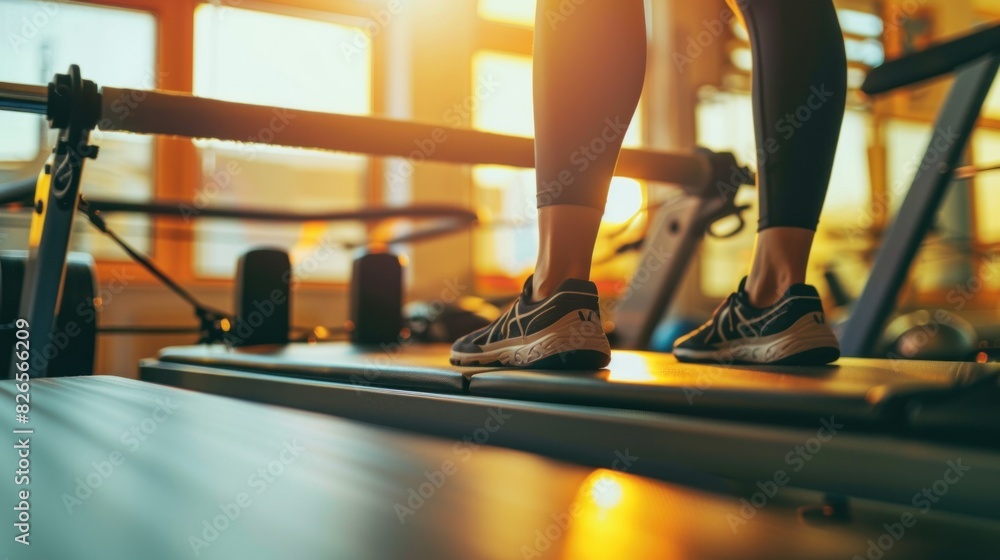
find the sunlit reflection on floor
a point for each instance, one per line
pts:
(610, 520)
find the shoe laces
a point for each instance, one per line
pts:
(729, 307)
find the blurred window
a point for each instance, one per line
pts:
(276, 59)
(42, 38)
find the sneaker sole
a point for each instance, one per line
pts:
(807, 342)
(568, 344)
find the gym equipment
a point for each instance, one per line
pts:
(874, 392)
(443, 220)
(930, 335)
(71, 348)
(77, 106)
(684, 420)
(263, 299)
(932, 62)
(452, 216)
(73, 106)
(922, 334)
(975, 58)
(232, 479)
(675, 234)
(437, 321)
(178, 114)
(17, 192)
(376, 299)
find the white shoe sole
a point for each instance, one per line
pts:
(569, 343)
(809, 339)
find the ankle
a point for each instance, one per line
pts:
(545, 284)
(764, 291)
(780, 258)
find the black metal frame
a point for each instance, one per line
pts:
(916, 216)
(72, 105)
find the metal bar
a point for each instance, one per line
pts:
(24, 98)
(178, 114)
(916, 216)
(48, 246)
(186, 211)
(932, 62)
(56, 198)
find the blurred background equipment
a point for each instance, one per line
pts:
(935, 334)
(376, 299)
(71, 348)
(263, 299)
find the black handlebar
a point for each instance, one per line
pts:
(932, 62)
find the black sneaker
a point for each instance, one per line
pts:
(792, 331)
(563, 331)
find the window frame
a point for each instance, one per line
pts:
(175, 160)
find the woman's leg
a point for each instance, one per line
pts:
(588, 74)
(589, 68)
(799, 93)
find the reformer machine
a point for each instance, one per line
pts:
(76, 106)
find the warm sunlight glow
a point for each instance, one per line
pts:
(267, 58)
(517, 12)
(606, 492)
(505, 198)
(310, 236)
(624, 200)
(505, 103)
(612, 520)
(505, 106)
(629, 368)
(742, 58)
(258, 57)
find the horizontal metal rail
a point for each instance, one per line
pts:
(180, 114)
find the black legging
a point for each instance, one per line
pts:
(799, 93)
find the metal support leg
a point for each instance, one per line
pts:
(74, 108)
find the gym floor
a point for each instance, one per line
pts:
(251, 361)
